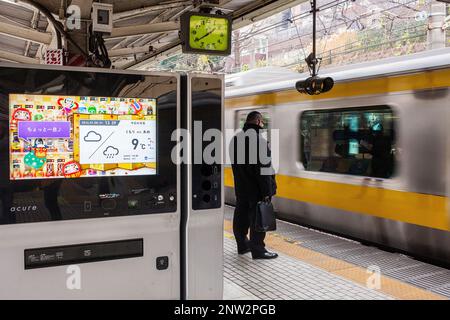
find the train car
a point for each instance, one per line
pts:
(369, 159)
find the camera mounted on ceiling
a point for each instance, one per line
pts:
(102, 18)
(102, 24)
(314, 85)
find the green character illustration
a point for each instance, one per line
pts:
(92, 110)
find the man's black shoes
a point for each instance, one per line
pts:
(264, 255)
(259, 255)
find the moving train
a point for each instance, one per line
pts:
(368, 159)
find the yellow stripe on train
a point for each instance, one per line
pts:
(415, 208)
(415, 81)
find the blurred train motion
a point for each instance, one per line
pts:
(369, 159)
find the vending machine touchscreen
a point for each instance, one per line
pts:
(79, 145)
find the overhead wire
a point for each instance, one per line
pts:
(299, 37)
(336, 26)
(298, 17)
(333, 20)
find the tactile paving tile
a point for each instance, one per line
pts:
(287, 278)
(431, 280)
(395, 265)
(444, 290)
(414, 271)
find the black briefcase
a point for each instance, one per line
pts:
(265, 217)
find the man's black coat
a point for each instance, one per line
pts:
(250, 166)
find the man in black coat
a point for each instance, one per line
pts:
(254, 181)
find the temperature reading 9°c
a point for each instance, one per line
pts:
(135, 143)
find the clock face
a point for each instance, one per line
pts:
(209, 33)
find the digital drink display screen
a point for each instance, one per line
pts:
(55, 136)
(84, 143)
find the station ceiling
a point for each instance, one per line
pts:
(143, 29)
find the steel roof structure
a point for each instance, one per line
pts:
(142, 29)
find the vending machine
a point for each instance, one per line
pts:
(203, 206)
(89, 195)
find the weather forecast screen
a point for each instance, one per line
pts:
(74, 136)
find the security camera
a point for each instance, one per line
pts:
(315, 85)
(102, 17)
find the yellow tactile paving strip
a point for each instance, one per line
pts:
(389, 286)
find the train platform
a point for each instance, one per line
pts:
(314, 265)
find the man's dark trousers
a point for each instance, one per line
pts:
(244, 218)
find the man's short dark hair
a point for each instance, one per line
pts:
(254, 116)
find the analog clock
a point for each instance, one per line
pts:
(206, 33)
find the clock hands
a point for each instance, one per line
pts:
(198, 39)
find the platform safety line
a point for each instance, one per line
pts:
(389, 286)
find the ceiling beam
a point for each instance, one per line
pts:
(253, 13)
(143, 60)
(25, 33)
(168, 15)
(136, 38)
(145, 29)
(128, 51)
(34, 22)
(145, 10)
(9, 56)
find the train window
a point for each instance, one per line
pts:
(357, 141)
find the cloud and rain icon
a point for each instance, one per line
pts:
(110, 152)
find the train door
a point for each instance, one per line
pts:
(89, 196)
